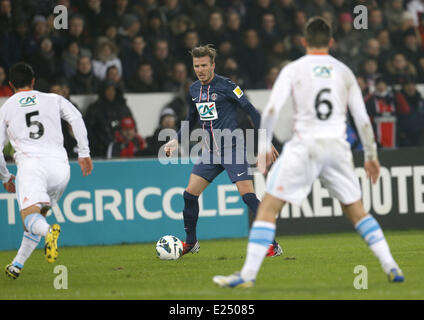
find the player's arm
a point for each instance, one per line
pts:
(6, 177)
(365, 130)
(70, 114)
(278, 98)
(186, 126)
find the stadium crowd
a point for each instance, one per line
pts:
(112, 47)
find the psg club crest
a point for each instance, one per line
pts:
(214, 96)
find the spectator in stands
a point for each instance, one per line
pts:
(156, 29)
(233, 26)
(348, 41)
(103, 117)
(129, 29)
(381, 108)
(375, 24)
(45, 62)
(5, 90)
(120, 9)
(300, 20)
(410, 113)
(297, 50)
(144, 80)
(77, 31)
(255, 11)
(171, 9)
(96, 17)
(111, 32)
(162, 61)
(202, 11)
(386, 48)
(285, 12)
(84, 81)
(416, 9)
(397, 35)
(113, 75)
(39, 31)
(269, 33)
(232, 70)
(127, 143)
(132, 58)
(317, 7)
(70, 59)
(190, 40)
(6, 18)
(393, 12)
(106, 56)
(398, 69)
(178, 80)
(410, 48)
(215, 31)
(253, 58)
(278, 55)
(167, 121)
(369, 71)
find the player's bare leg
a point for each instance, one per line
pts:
(196, 185)
(247, 192)
(371, 232)
(261, 236)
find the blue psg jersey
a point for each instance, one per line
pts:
(215, 105)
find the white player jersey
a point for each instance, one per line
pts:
(32, 121)
(321, 88)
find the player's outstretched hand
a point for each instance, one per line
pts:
(10, 185)
(86, 165)
(170, 147)
(372, 168)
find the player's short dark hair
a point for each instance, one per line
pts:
(203, 51)
(317, 32)
(21, 75)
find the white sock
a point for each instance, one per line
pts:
(371, 232)
(382, 251)
(36, 224)
(260, 237)
(28, 245)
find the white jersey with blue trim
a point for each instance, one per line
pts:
(32, 122)
(321, 88)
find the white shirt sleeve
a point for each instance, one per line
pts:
(279, 95)
(362, 121)
(71, 114)
(4, 172)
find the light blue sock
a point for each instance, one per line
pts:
(261, 236)
(36, 224)
(371, 232)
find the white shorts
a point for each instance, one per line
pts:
(41, 181)
(302, 161)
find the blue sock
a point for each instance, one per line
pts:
(253, 202)
(191, 215)
(370, 230)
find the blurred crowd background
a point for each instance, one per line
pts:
(113, 47)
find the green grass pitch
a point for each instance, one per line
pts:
(312, 267)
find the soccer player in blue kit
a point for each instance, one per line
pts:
(214, 101)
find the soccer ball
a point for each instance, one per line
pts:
(169, 248)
